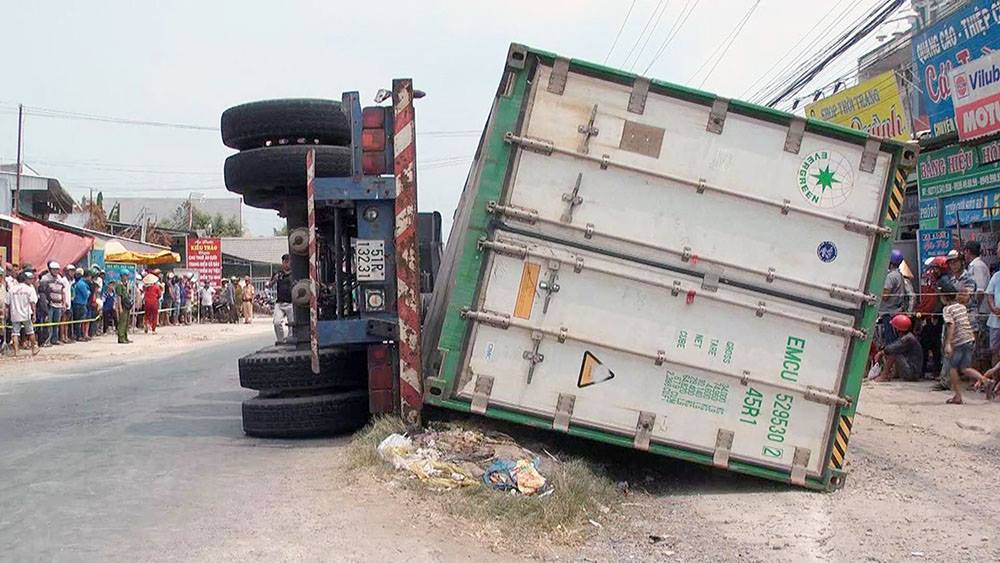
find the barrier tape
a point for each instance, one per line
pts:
(81, 321)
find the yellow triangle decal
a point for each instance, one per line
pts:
(592, 371)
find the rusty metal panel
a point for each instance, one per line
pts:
(642, 139)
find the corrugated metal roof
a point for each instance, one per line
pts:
(257, 249)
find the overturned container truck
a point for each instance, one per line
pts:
(656, 267)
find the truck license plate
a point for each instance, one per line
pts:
(369, 258)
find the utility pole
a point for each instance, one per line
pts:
(17, 175)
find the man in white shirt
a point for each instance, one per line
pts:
(980, 273)
(67, 313)
(22, 299)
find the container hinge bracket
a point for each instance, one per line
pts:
(831, 326)
(644, 430)
(533, 357)
(661, 356)
(793, 139)
(723, 445)
(557, 80)
(588, 131)
(533, 144)
(564, 412)
(550, 285)
(481, 395)
(497, 320)
(563, 335)
(637, 99)
(572, 199)
(761, 308)
(800, 459)
(717, 116)
(852, 295)
(676, 289)
(856, 225)
(578, 265)
(588, 231)
(686, 254)
(710, 282)
(870, 154)
(506, 248)
(605, 161)
(822, 397)
(517, 55)
(514, 212)
(701, 186)
(786, 204)
(770, 275)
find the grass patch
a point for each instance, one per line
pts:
(362, 451)
(581, 491)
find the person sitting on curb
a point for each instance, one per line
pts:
(905, 355)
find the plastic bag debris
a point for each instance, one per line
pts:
(460, 458)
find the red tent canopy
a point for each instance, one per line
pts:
(39, 244)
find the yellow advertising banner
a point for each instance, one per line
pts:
(875, 105)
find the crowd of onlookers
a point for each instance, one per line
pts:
(60, 305)
(949, 329)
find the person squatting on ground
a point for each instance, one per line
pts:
(905, 356)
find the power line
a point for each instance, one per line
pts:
(678, 24)
(643, 32)
(619, 34)
(735, 34)
(649, 36)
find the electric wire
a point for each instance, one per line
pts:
(674, 30)
(642, 33)
(619, 34)
(734, 35)
(649, 36)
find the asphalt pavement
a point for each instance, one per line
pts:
(114, 461)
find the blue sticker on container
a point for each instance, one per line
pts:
(827, 251)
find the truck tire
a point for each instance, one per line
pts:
(265, 199)
(268, 169)
(292, 370)
(253, 125)
(305, 417)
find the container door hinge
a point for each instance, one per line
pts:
(822, 397)
(550, 285)
(831, 326)
(496, 320)
(717, 117)
(481, 395)
(588, 131)
(799, 462)
(637, 99)
(515, 212)
(533, 357)
(644, 430)
(557, 80)
(870, 155)
(564, 412)
(533, 144)
(856, 225)
(506, 248)
(793, 139)
(723, 445)
(572, 199)
(852, 295)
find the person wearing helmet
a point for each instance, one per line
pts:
(895, 299)
(904, 358)
(928, 325)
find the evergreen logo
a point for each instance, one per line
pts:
(825, 179)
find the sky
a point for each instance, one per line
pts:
(185, 62)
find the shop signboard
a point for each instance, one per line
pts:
(929, 213)
(96, 258)
(204, 255)
(976, 97)
(114, 271)
(932, 242)
(957, 170)
(971, 208)
(874, 106)
(967, 34)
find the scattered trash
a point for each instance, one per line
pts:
(917, 553)
(595, 524)
(461, 458)
(654, 539)
(623, 487)
(875, 371)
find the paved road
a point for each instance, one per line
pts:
(148, 461)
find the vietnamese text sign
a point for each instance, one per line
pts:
(929, 213)
(976, 97)
(967, 34)
(931, 243)
(956, 170)
(874, 106)
(204, 255)
(114, 271)
(971, 208)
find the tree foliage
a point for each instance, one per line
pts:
(189, 217)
